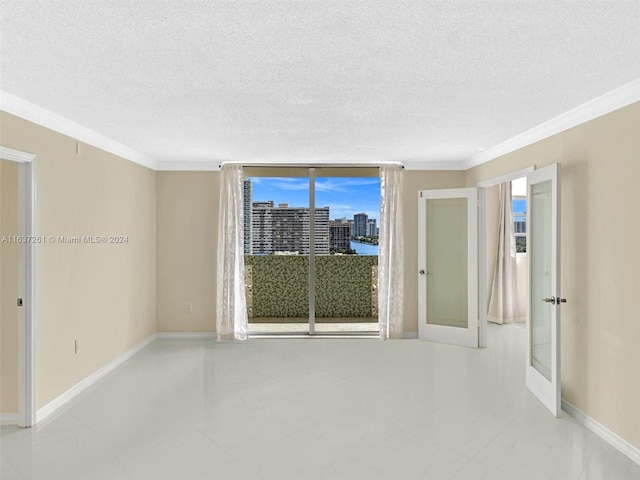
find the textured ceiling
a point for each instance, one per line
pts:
(315, 81)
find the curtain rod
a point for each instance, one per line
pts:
(309, 165)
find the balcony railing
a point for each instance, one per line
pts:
(346, 286)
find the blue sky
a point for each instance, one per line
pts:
(519, 206)
(345, 196)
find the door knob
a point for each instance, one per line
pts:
(563, 300)
(422, 272)
(549, 300)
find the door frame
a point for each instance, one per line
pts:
(483, 268)
(26, 288)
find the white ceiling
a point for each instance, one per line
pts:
(315, 81)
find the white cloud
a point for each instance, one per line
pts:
(339, 184)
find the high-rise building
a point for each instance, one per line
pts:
(286, 229)
(262, 228)
(247, 190)
(339, 236)
(360, 224)
(322, 230)
(267, 204)
(372, 230)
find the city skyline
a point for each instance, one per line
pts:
(345, 196)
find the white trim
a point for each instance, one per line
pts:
(13, 155)
(26, 327)
(483, 268)
(79, 387)
(26, 283)
(435, 165)
(8, 418)
(613, 100)
(603, 432)
(507, 177)
(38, 115)
(305, 164)
(610, 101)
(184, 335)
(410, 335)
(188, 166)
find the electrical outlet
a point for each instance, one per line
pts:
(76, 346)
(188, 307)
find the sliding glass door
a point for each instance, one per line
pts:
(276, 219)
(311, 251)
(346, 273)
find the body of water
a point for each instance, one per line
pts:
(364, 248)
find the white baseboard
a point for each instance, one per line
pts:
(410, 335)
(63, 399)
(8, 418)
(603, 432)
(185, 335)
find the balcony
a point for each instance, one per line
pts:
(277, 290)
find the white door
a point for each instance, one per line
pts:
(448, 266)
(543, 252)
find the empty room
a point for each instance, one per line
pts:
(277, 239)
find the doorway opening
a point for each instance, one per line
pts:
(503, 252)
(310, 244)
(17, 205)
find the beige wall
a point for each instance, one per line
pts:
(187, 240)
(105, 295)
(413, 182)
(600, 261)
(8, 288)
(101, 295)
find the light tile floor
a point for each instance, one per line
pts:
(306, 409)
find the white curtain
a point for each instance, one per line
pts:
(503, 304)
(390, 254)
(231, 306)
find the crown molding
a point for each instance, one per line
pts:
(45, 118)
(13, 155)
(188, 166)
(434, 165)
(613, 100)
(618, 98)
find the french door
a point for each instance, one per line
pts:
(543, 247)
(448, 266)
(447, 276)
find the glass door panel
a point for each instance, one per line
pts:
(447, 274)
(541, 271)
(346, 263)
(276, 220)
